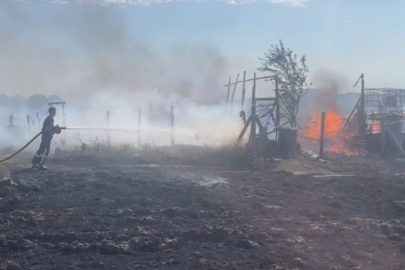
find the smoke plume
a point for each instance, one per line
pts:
(90, 57)
(329, 84)
(89, 48)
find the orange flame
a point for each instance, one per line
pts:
(333, 124)
(333, 135)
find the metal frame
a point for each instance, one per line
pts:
(387, 103)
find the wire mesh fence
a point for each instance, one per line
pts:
(387, 103)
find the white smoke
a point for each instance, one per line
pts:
(90, 59)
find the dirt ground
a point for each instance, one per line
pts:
(216, 210)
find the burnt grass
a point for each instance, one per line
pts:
(213, 210)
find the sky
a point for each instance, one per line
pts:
(342, 37)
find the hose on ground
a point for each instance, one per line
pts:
(25, 146)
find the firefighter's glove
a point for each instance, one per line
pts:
(57, 130)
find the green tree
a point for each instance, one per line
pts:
(292, 77)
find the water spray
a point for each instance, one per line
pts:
(77, 128)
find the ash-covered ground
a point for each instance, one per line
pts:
(203, 209)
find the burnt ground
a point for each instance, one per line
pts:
(209, 212)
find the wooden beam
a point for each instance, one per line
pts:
(29, 124)
(249, 80)
(139, 127)
(266, 99)
(362, 124)
(259, 123)
(253, 115)
(233, 92)
(243, 115)
(277, 104)
(240, 137)
(243, 91)
(351, 114)
(322, 134)
(333, 176)
(227, 95)
(172, 136)
(108, 127)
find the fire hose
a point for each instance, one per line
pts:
(22, 148)
(25, 146)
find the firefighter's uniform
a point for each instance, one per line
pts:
(48, 129)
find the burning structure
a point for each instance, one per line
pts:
(384, 119)
(336, 140)
(384, 104)
(375, 124)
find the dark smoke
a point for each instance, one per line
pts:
(329, 84)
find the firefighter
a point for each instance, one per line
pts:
(48, 129)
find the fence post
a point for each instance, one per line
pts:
(108, 127)
(29, 124)
(322, 135)
(253, 124)
(139, 127)
(227, 96)
(243, 91)
(172, 125)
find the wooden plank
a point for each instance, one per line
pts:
(351, 114)
(240, 137)
(233, 92)
(29, 124)
(227, 95)
(266, 99)
(277, 104)
(253, 115)
(362, 124)
(243, 91)
(322, 134)
(333, 176)
(172, 136)
(139, 127)
(249, 80)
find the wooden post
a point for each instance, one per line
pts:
(359, 117)
(277, 101)
(253, 123)
(139, 127)
(322, 135)
(108, 119)
(233, 92)
(383, 136)
(245, 127)
(108, 127)
(172, 125)
(39, 121)
(243, 91)
(347, 123)
(227, 95)
(64, 114)
(151, 112)
(362, 124)
(29, 124)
